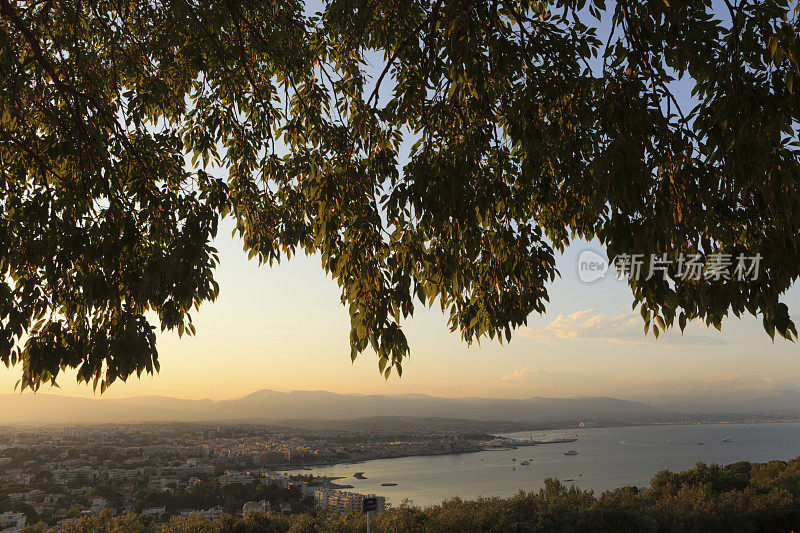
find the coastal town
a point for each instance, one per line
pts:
(52, 475)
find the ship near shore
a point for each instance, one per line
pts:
(513, 443)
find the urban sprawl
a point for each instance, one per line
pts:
(53, 475)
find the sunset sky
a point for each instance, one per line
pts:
(284, 328)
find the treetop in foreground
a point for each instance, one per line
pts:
(429, 152)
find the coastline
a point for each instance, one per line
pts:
(609, 458)
(312, 466)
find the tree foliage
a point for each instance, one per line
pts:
(429, 151)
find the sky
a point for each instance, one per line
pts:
(284, 328)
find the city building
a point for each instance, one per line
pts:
(11, 522)
(262, 505)
(213, 513)
(344, 501)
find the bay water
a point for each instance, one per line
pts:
(607, 458)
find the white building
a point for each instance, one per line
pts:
(281, 480)
(98, 504)
(74, 431)
(12, 522)
(321, 498)
(263, 505)
(230, 478)
(213, 513)
(344, 501)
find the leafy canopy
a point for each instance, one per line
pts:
(128, 129)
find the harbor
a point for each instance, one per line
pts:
(512, 443)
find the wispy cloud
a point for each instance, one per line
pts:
(616, 330)
(549, 382)
(516, 376)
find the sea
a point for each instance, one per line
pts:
(607, 458)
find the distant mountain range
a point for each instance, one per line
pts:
(786, 402)
(271, 406)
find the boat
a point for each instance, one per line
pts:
(359, 475)
(388, 484)
(525, 463)
(727, 439)
(571, 452)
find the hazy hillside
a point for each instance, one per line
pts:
(321, 404)
(744, 402)
(269, 405)
(52, 409)
(786, 402)
(272, 406)
(410, 424)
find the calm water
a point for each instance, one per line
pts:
(609, 458)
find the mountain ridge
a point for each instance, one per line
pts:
(270, 405)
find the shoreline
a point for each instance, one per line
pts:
(312, 466)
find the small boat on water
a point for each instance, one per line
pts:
(388, 484)
(571, 452)
(727, 439)
(525, 463)
(359, 475)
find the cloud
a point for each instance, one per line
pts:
(548, 382)
(516, 376)
(616, 330)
